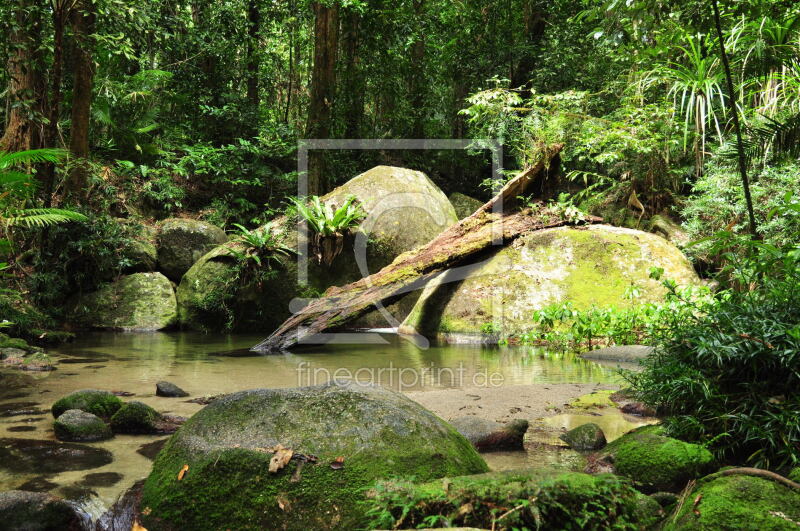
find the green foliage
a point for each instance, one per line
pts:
(726, 371)
(258, 250)
(324, 220)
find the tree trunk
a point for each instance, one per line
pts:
(417, 73)
(26, 88)
(352, 96)
(82, 19)
(253, 28)
(534, 20)
(323, 85)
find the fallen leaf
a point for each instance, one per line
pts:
(146, 511)
(283, 503)
(137, 527)
(338, 463)
(280, 459)
(183, 471)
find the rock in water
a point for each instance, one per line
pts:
(405, 209)
(34, 511)
(79, 426)
(487, 435)
(136, 417)
(624, 353)
(588, 436)
(138, 302)
(169, 389)
(33, 456)
(356, 434)
(181, 243)
(594, 265)
(655, 462)
(100, 403)
(739, 502)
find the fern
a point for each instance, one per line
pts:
(40, 217)
(780, 138)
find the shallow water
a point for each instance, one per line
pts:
(213, 364)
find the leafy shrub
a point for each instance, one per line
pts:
(327, 221)
(726, 372)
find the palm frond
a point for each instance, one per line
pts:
(769, 138)
(41, 217)
(32, 156)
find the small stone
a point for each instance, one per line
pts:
(170, 390)
(79, 426)
(588, 436)
(638, 408)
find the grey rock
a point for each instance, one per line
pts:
(487, 435)
(79, 426)
(169, 389)
(620, 353)
(36, 511)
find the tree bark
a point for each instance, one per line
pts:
(352, 96)
(323, 85)
(82, 20)
(27, 87)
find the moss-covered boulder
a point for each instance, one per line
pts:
(135, 417)
(655, 462)
(17, 343)
(357, 434)
(464, 205)
(739, 502)
(524, 499)
(181, 242)
(36, 511)
(75, 425)
(587, 436)
(100, 403)
(404, 210)
(141, 250)
(585, 266)
(137, 302)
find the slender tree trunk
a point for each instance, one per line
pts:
(736, 126)
(253, 28)
(82, 20)
(323, 85)
(534, 19)
(352, 96)
(417, 73)
(26, 89)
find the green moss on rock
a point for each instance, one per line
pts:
(587, 436)
(135, 417)
(655, 462)
(739, 502)
(79, 426)
(524, 499)
(587, 266)
(100, 403)
(379, 434)
(182, 242)
(138, 302)
(464, 205)
(14, 342)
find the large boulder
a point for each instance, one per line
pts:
(181, 242)
(404, 210)
(37, 511)
(739, 502)
(464, 205)
(653, 461)
(344, 436)
(137, 302)
(586, 266)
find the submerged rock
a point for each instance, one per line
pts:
(588, 436)
(33, 456)
(22, 510)
(487, 435)
(344, 436)
(529, 500)
(135, 417)
(100, 403)
(623, 353)
(181, 243)
(739, 502)
(170, 390)
(594, 265)
(79, 426)
(405, 209)
(655, 462)
(137, 302)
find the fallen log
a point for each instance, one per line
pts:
(492, 224)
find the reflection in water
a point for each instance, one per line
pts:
(198, 363)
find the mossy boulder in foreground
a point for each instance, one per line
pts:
(182, 242)
(655, 462)
(227, 447)
(80, 426)
(137, 302)
(100, 403)
(594, 265)
(405, 209)
(524, 499)
(739, 502)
